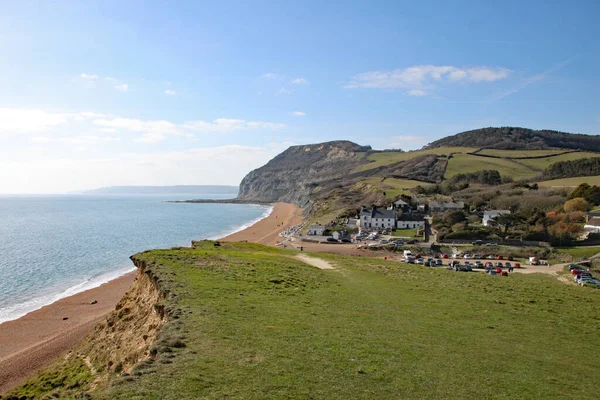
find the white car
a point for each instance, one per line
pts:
(467, 256)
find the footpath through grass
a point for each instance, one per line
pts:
(259, 324)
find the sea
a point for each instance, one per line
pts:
(52, 247)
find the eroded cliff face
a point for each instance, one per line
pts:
(294, 174)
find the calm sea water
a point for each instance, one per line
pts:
(55, 246)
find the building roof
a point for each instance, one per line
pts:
(446, 204)
(411, 217)
(316, 227)
(383, 213)
(400, 202)
(594, 222)
(495, 213)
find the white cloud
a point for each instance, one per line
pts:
(416, 79)
(269, 75)
(229, 125)
(299, 114)
(122, 87)
(170, 92)
(417, 92)
(150, 138)
(300, 81)
(108, 78)
(137, 125)
(284, 90)
(74, 139)
(29, 120)
(88, 76)
(408, 142)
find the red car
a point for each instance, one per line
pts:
(444, 255)
(498, 270)
(503, 273)
(517, 265)
(500, 257)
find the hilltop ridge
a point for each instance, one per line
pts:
(515, 138)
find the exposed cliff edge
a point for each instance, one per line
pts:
(293, 175)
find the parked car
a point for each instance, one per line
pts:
(498, 270)
(477, 243)
(507, 265)
(517, 265)
(490, 257)
(500, 257)
(489, 265)
(439, 262)
(476, 256)
(346, 240)
(384, 241)
(420, 261)
(574, 266)
(444, 255)
(492, 272)
(330, 239)
(510, 258)
(491, 244)
(411, 242)
(467, 256)
(499, 264)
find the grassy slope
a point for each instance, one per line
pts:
(571, 182)
(260, 325)
(386, 158)
(543, 163)
(393, 187)
(520, 153)
(464, 163)
(581, 251)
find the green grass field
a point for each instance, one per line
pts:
(393, 187)
(405, 233)
(386, 158)
(520, 153)
(258, 324)
(465, 163)
(543, 163)
(579, 251)
(571, 182)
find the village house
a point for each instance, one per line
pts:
(410, 221)
(592, 222)
(316, 230)
(377, 218)
(443, 206)
(400, 205)
(492, 214)
(339, 235)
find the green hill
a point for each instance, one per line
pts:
(253, 322)
(513, 138)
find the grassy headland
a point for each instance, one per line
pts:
(253, 322)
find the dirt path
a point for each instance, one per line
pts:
(315, 262)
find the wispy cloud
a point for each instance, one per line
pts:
(408, 142)
(122, 87)
(416, 80)
(299, 81)
(269, 75)
(229, 125)
(170, 92)
(299, 114)
(528, 81)
(150, 138)
(88, 76)
(283, 90)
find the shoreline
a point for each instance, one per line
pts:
(30, 342)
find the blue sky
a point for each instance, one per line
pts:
(147, 92)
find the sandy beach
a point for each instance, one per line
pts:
(34, 340)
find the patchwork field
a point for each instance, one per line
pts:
(257, 323)
(465, 163)
(543, 163)
(387, 158)
(571, 182)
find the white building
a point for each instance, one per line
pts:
(490, 215)
(377, 218)
(316, 230)
(410, 221)
(442, 206)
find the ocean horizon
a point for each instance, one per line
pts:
(54, 246)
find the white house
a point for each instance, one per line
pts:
(490, 215)
(316, 230)
(592, 225)
(338, 235)
(410, 221)
(377, 218)
(442, 206)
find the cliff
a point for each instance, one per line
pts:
(293, 175)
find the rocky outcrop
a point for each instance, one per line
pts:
(293, 175)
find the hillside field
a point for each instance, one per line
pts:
(520, 153)
(571, 182)
(391, 157)
(465, 163)
(255, 322)
(543, 163)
